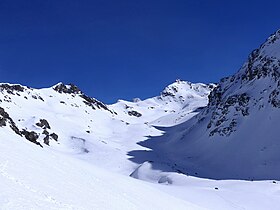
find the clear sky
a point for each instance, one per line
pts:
(129, 48)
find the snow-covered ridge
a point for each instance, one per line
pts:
(27, 108)
(175, 104)
(73, 89)
(182, 90)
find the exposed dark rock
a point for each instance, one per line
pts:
(45, 132)
(43, 124)
(166, 93)
(40, 98)
(221, 123)
(266, 66)
(274, 98)
(47, 137)
(47, 140)
(127, 107)
(91, 102)
(11, 88)
(73, 89)
(134, 113)
(5, 118)
(7, 98)
(31, 136)
(54, 136)
(61, 88)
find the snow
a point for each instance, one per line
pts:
(109, 159)
(88, 168)
(35, 178)
(175, 105)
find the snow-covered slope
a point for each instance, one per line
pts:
(57, 144)
(36, 178)
(60, 149)
(69, 121)
(236, 136)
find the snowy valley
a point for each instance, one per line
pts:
(195, 146)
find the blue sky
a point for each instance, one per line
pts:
(126, 49)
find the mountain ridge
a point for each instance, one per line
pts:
(69, 97)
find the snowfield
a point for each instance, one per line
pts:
(194, 146)
(36, 178)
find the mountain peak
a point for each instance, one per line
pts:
(181, 88)
(70, 88)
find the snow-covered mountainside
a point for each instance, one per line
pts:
(45, 116)
(236, 136)
(61, 149)
(57, 137)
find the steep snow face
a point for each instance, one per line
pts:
(236, 136)
(177, 103)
